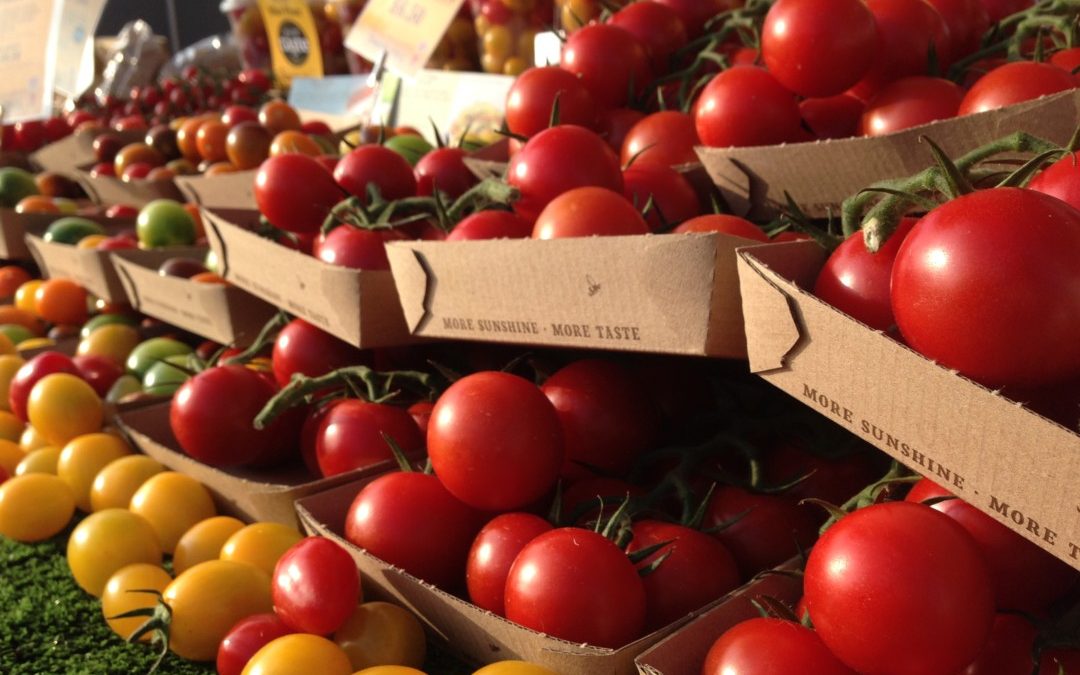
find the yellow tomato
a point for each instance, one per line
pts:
(514, 668)
(203, 541)
(42, 460)
(208, 599)
(116, 600)
(34, 507)
(6, 345)
(382, 634)
(390, 670)
(63, 406)
(114, 341)
(24, 296)
(11, 427)
(10, 456)
(34, 343)
(299, 654)
(106, 541)
(260, 544)
(32, 439)
(172, 502)
(9, 364)
(82, 459)
(116, 484)
(91, 241)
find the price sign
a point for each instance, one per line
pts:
(407, 31)
(72, 50)
(27, 73)
(294, 40)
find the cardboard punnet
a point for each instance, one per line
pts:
(224, 314)
(476, 634)
(235, 190)
(1009, 462)
(360, 307)
(252, 494)
(669, 293)
(75, 150)
(137, 193)
(821, 174)
(15, 226)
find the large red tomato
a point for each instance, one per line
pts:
(315, 586)
(762, 530)
(670, 194)
(378, 166)
(354, 247)
(444, 169)
(746, 106)
(303, 348)
(350, 435)
(612, 63)
(906, 31)
(909, 102)
(532, 96)
(723, 223)
(491, 225)
(833, 116)
(771, 646)
(493, 552)
(295, 192)
(1012, 83)
(588, 211)
(665, 138)
(967, 21)
(657, 26)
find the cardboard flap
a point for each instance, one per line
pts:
(485, 168)
(234, 190)
(138, 193)
(75, 150)
(771, 326)
(415, 281)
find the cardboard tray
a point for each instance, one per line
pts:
(235, 190)
(137, 193)
(359, 307)
(1009, 462)
(475, 634)
(224, 314)
(674, 294)
(822, 174)
(253, 495)
(75, 150)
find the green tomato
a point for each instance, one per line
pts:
(15, 183)
(16, 332)
(165, 377)
(164, 222)
(125, 385)
(409, 146)
(105, 320)
(70, 229)
(149, 352)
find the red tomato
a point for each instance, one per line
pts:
(354, 247)
(657, 26)
(832, 479)
(909, 102)
(421, 414)
(948, 276)
(350, 435)
(832, 117)
(719, 222)
(235, 114)
(771, 529)
(588, 211)
(444, 169)
(491, 225)
(246, 638)
(1008, 650)
(379, 166)
(696, 13)
(807, 53)
(999, 9)
(665, 138)
(1012, 83)
(33, 370)
(557, 160)
(967, 21)
(316, 128)
(295, 192)
(575, 585)
(315, 586)
(1061, 179)
(698, 569)
(1067, 59)
(532, 96)
(746, 106)
(495, 441)
(309, 434)
(771, 646)
(930, 585)
(303, 348)
(615, 124)
(493, 552)
(612, 63)
(409, 520)
(673, 197)
(100, 372)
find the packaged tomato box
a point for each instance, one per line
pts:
(1015, 465)
(137, 193)
(15, 226)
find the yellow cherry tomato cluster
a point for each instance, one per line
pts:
(506, 30)
(571, 15)
(457, 49)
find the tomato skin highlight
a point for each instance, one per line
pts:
(909, 102)
(1013, 83)
(589, 211)
(349, 436)
(765, 646)
(532, 95)
(315, 586)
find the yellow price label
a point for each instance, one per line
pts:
(293, 38)
(406, 31)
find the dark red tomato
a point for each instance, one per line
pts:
(235, 114)
(612, 63)
(99, 371)
(350, 436)
(589, 211)
(122, 211)
(698, 569)
(211, 416)
(532, 97)
(672, 196)
(616, 123)
(1024, 577)
(491, 225)
(588, 490)
(118, 242)
(1060, 662)
(805, 51)
(353, 247)
(909, 102)
(495, 441)
(997, 10)
(746, 106)
(606, 416)
(832, 117)
(575, 585)
(658, 27)
(316, 128)
(29, 135)
(103, 169)
(948, 276)
(1008, 650)
(967, 20)
(315, 586)
(719, 222)
(303, 348)
(33, 370)
(833, 480)
(771, 529)
(421, 414)
(665, 138)
(930, 585)
(1061, 179)
(857, 282)
(557, 160)
(1068, 60)
(295, 192)
(444, 169)
(1012, 83)
(254, 78)
(493, 552)
(375, 165)
(246, 638)
(56, 128)
(409, 520)
(906, 30)
(764, 646)
(309, 435)
(696, 13)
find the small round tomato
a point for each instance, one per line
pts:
(659, 28)
(670, 196)
(719, 222)
(122, 594)
(294, 142)
(746, 106)
(518, 667)
(172, 503)
(295, 192)
(278, 116)
(791, 648)
(444, 170)
(164, 222)
(315, 586)
(382, 634)
(304, 349)
(299, 653)
(106, 541)
(34, 507)
(493, 552)
(10, 456)
(30, 373)
(62, 406)
(353, 247)
(114, 485)
(203, 541)
(136, 153)
(350, 436)
(247, 145)
(491, 225)
(41, 460)
(906, 31)
(245, 639)
(99, 371)
(612, 63)
(83, 458)
(762, 530)
(532, 95)
(377, 166)
(148, 352)
(1012, 83)
(260, 545)
(211, 140)
(665, 138)
(589, 211)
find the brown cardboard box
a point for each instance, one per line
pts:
(137, 193)
(266, 494)
(683, 652)
(822, 174)
(670, 293)
(76, 150)
(360, 307)
(15, 226)
(224, 314)
(234, 190)
(1019, 467)
(477, 635)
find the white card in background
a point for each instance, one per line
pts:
(27, 73)
(454, 101)
(350, 96)
(547, 49)
(74, 45)
(406, 30)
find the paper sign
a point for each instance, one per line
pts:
(406, 30)
(26, 71)
(294, 39)
(349, 95)
(73, 47)
(456, 102)
(547, 49)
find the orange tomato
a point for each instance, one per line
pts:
(196, 215)
(91, 241)
(19, 315)
(37, 204)
(61, 301)
(134, 153)
(210, 139)
(218, 168)
(209, 278)
(278, 116)
(294, 143)
(11, 277)
(186, 136)
(24, 296)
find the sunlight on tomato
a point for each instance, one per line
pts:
(382, 634)
(9, 365)
(63, 406)
(299, 654)
(34, 507)
(106, 541)
(203, 541)
(24, 297)
(41, 460)
(116, 484)
(260, 544)
(10, 456)
(113, 341)
(116, 598)
(32, 439)
(82, 459)
(172, 502)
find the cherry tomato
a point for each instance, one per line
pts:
(382, 634)
(1012, 83)
(203, 541)
(299, 653)
(278, 116)
(658, 27)
(375, 165)
(294, 142)
(354, 247)
(999, 9)
(34, 507)
(612, 63)
(303, 348)
(247, 145)
(444, 170)
(61, 301)
(62, 406)
(83, 458)
(164, 222)
(245, 639)
(531, 97)
(588, 211)
(99, 371)
(718, 222)
(746, 106)
(833, 116)
(491, 225)
(909, 102)
(211, 140)
(172, 503)
(30, 373)
(315, 586)
(664, 138)
(763, 645)
(122, 594)
(696, 13)
(966, 20)
(493, 552)
(350, 435)
(106, 541)
(295, 192)
(41, 460)
(763, 530)
(1061, 179)
(907, 29)
(672, 197)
